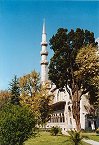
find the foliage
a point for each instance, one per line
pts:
(14, 91)
(35, 96)
(87, 61)
(55, 130)
(29, 84)
(97, 130)
(29, 87)
(75, 137)
(69, 67)
(44, 103)
(88, 74)
(65, 46)
(16, 124)
(4, 97)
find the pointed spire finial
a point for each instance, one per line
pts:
(44, 28)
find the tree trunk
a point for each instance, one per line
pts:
(75, 102)
(76, 108)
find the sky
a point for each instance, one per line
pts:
(21, 28)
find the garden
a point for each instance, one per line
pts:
(44, 138)
(27, 104)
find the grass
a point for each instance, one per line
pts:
(92, 136)
(44, 138)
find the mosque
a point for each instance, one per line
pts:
(62, 105)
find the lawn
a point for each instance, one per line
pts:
(92, 136)
(45, 138)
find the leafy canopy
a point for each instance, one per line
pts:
(87, 73)
(74, 65)
(35, 96)
(17, 123)
(66, 46)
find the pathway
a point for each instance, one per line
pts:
(92, 142)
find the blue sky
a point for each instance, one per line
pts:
(21, 28)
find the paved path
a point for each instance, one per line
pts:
(91, 142)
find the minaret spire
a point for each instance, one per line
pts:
(44, 27)
(44, 53)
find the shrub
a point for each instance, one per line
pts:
(97, 130)
(17, 123)
(55, 130)
(75, 137)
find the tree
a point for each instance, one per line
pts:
(14, 91)
(88, 67)
(17, 123)
(29, 84)
(88, 75)
(45, 100)
(29, 88)
(4, 97)
(35, 96)
(63, 65)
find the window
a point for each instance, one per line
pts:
(89, 124)
(63, 117)
(70, 121)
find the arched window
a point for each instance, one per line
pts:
(69, 109)
(89, 123)
(70, 121)
(63, 117)
(60, 118)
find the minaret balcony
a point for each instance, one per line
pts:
(44, 43)
(45, 62)
(44, 52)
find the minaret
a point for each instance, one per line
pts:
(44, 53)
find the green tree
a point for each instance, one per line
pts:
(45, 100)
(63, 65)
(29, 88)
(17, 123)
(87, 60)
(35, 96)
(29, 84)
(4, 97)
(15, 91)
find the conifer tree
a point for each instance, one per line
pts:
(15, 91)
